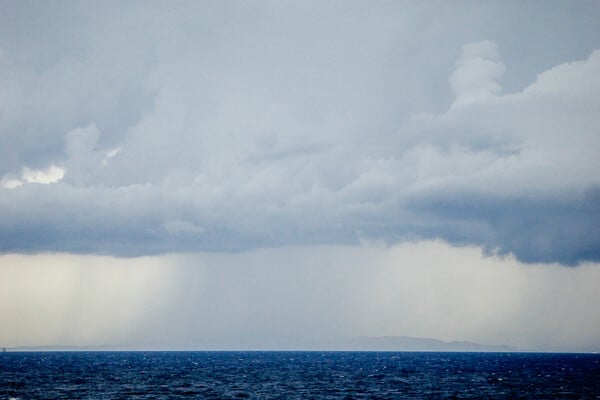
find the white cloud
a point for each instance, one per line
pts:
(477, 73)
(539, 140)
(46, 176)
(11, 183)
(52, 174)
(110, 154)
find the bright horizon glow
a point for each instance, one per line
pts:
(295, 298)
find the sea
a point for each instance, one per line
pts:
(298, 375)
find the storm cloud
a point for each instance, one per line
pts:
(129, 130)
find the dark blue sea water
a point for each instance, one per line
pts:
(297, 375)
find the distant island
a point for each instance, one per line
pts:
(408, 343)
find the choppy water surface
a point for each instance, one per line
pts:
(297, 375)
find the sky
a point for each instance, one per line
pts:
(282, 174)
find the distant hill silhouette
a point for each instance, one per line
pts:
(383, 343)
(407, 343)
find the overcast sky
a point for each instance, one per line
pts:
(269, 172)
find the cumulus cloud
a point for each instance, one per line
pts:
(188, 136)
(528, 160)
(52, 174)
(477, 73)
(46, 176)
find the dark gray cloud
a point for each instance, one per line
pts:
(535, 230)
(134, 130)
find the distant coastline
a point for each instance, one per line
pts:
(384, 343)
(351, 344)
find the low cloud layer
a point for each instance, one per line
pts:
(222, 127)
